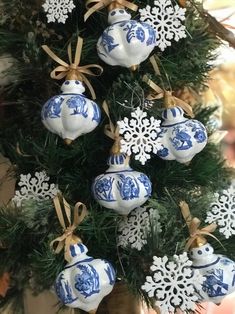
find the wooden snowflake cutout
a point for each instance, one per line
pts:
(222, 212)
(173, 284)
(57, 10)
(36, 187)
(167, 20)
(133, 229)
(140, 135)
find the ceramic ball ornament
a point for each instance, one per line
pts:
(70, 114)
(85, 281)
(181, 138)
(125, 42)
(121, 188)
(218, 270)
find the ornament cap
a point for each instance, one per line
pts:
(68, 141)
(198, 242)
(115, 5)
(118, 14)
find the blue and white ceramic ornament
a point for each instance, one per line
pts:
(70, 114)
(125, 42)
(218, 270)
(121, 188)
(181, 138)
(85, 281)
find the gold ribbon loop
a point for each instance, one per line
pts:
(67, 238)
(193, 226)
(73, 71)
(100, 4)
(111, 131)
(159, 93)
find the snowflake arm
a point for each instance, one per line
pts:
(222, 212)
(36, 187)
(173, 283)
(140, 135)
(57, 10)
(166, 20)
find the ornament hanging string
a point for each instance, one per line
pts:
(73, 70)
(100, 4)
(193, 226)
(169, 99)
(111, 131)
(67, 238)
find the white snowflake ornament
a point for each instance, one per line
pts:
(140, 135)
(167, 20)
(36, 187)
(133, 230)
(57, 10)
(173, 284)
(222, 212)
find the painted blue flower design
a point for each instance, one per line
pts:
(200, 136)
(130, 29)
(103, 189)
(128, 187)
(52, 108)
(64, 292)
(163, 152)
(87, 282)
(108, 41)
(110, 273)
(79, 105)
(140, 34)
(181, 139)
(152, 34)
(147, 184)
(96, 113)
(214, 285)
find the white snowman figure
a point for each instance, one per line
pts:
(125, 42)
(218, 270)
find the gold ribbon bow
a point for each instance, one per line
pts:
(193, 226)
(111, 131)
(73, 71)
(169, 100)
(68, 238)
(100, 4)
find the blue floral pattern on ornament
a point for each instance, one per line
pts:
(181, 140)
(214, 285)
(147, 184)
(96, 115)
(79, 105)
(199, 130)
(64, 293)
(103, 189)
(140, 34)
(52, 108)
(152, 34)
(107, 40)
(128, 187)
(163, 152)
(87, 282)
(110, 273)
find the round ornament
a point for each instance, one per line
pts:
(121, 188)
(181, 138)
(70, 114)
(125, 42)
(85, 281)
(218, 271)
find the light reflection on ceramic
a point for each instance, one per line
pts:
(121, 188)
(85, 281)
(219, 272)
(125, 42)
(70, 114)
(181, 138)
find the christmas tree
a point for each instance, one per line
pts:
(132, 94)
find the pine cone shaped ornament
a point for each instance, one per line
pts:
(218, 270)
(125, 42)
(70, 114)
(85, 281)
(181, 138)
(121, 188)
